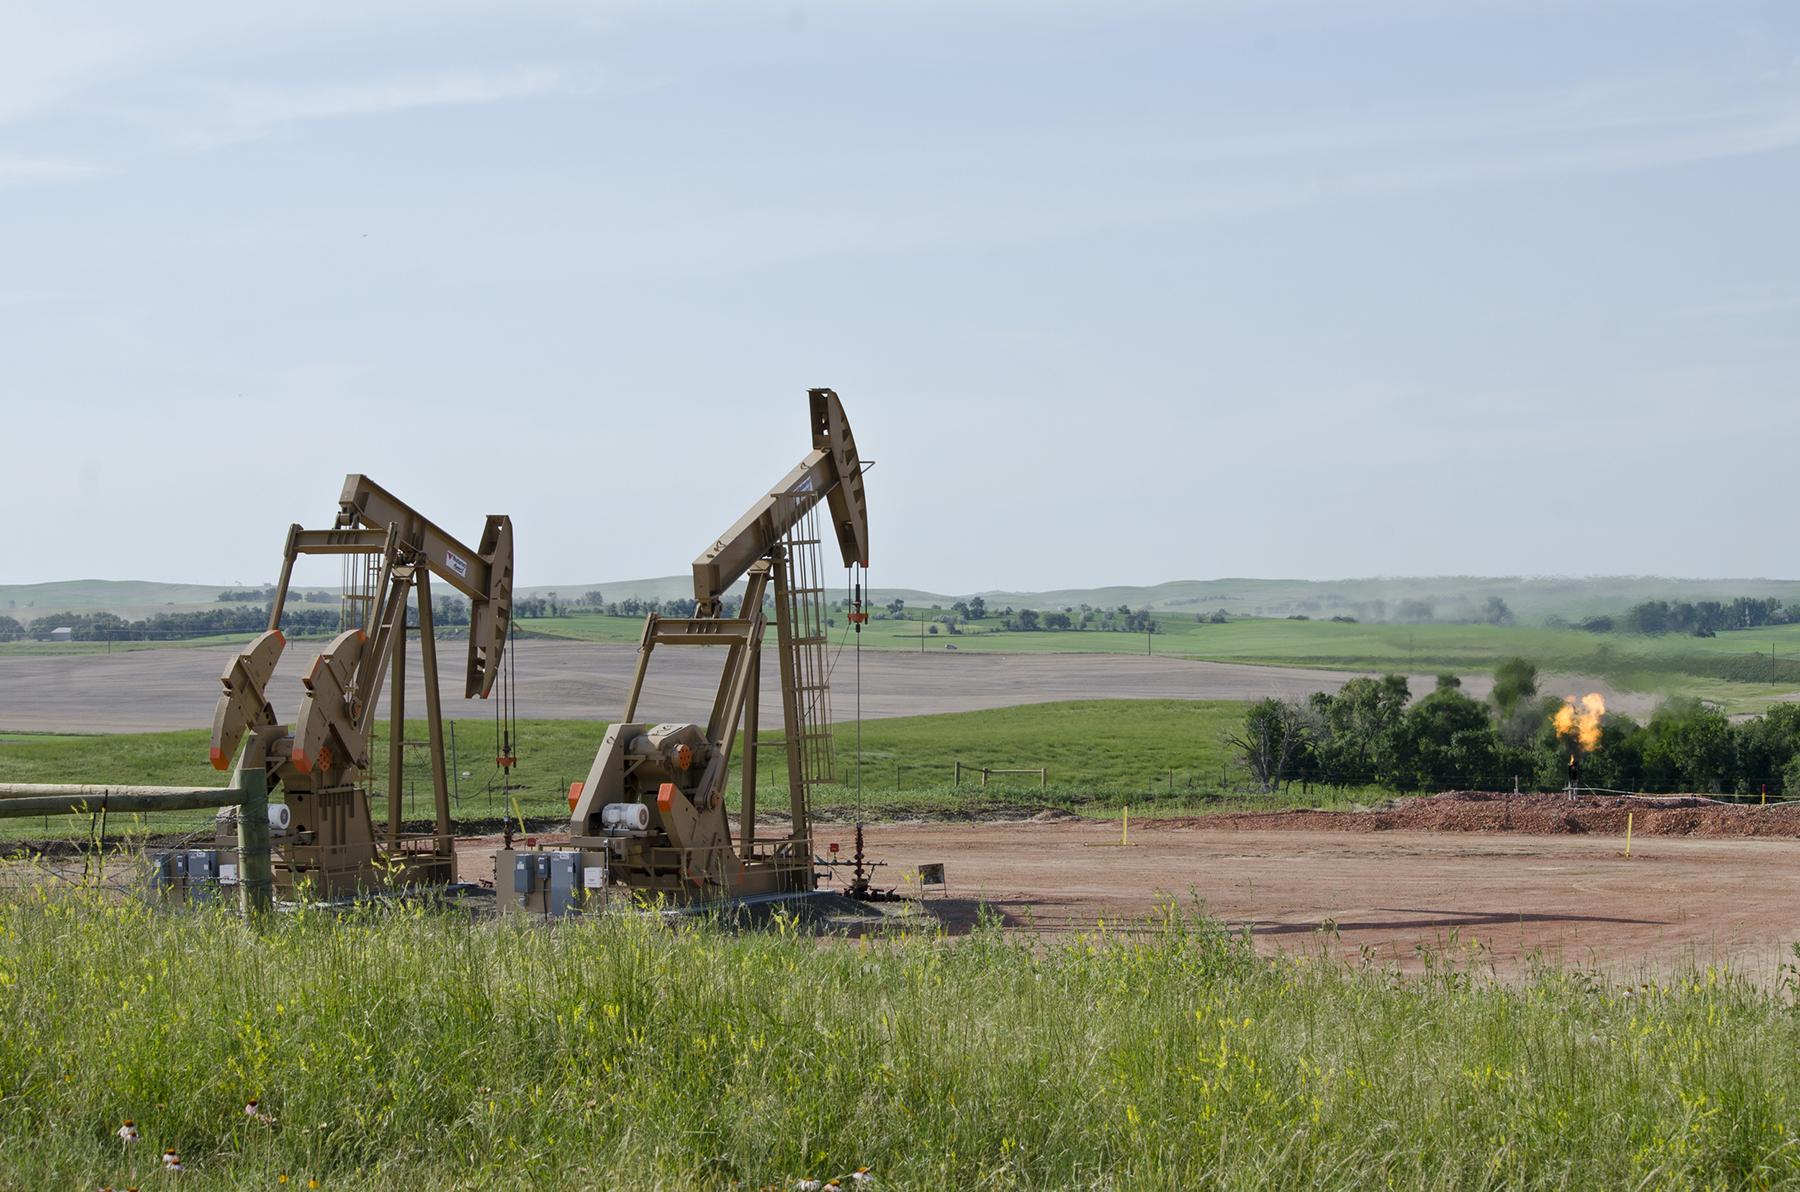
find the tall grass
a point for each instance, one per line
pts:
(420, 1049)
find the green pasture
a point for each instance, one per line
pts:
(1281, 642)
(1158, 756)
(53, 649)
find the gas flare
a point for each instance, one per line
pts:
(1580, 718)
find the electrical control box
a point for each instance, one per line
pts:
(548, 883)
(190, 875)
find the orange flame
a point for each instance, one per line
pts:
(1580, 718)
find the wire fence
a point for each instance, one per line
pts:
(100, 860)
(896, 776)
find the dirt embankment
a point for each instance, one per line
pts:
(1531, 815)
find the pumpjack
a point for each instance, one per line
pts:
(651, 814)
(329, 843)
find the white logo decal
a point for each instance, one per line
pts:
(456, 563)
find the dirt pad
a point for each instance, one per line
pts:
(1484, 879)
(1535, 815)
(1488, 897)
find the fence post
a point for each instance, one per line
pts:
(253, 841)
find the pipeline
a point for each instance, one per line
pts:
(50, 798)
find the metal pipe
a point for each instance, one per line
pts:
(434, 716)
(64, 805)
(39, 789)
(287, 573)
(19, 799)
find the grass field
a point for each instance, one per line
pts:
(55, 648)
(419, 1049)
(1283, 642)
(1100, 755)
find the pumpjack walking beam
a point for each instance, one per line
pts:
(679, 772)
(830, 470)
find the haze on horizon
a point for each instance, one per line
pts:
(1113, 294)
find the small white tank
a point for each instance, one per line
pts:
(281, 817)
(624, 817)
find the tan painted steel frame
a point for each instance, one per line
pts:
(320, 762)
(694, 836)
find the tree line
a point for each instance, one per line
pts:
(1074, 618)
(446, 611)
(265, 595)
(1371, 733)
(1123, 619)
(594, 603)
(1701, 618)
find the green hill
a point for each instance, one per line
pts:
(1376, 599)
(1451, 598)
(1373, 599)
(132, 599)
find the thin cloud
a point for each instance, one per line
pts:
(54, 57)
(245, 113)
(25, 171)
(1741, 308)
(1669, 143)
(1249, 169)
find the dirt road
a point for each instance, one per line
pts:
(152, 690)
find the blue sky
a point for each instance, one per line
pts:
(1113, 293)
